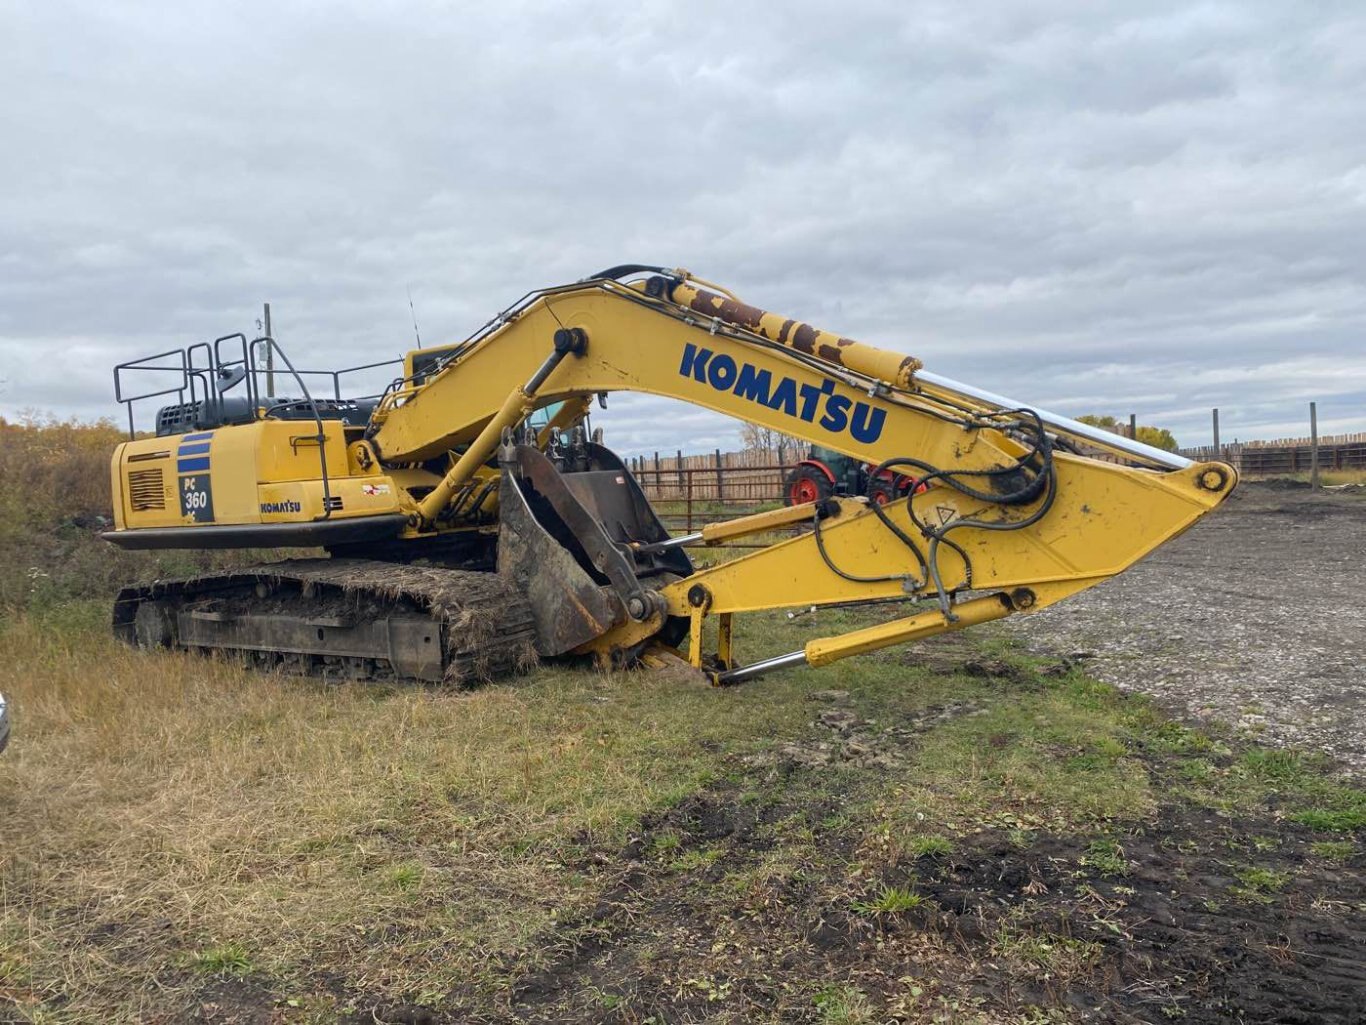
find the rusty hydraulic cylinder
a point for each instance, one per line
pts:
(895, 368)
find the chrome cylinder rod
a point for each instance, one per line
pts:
(749, 672)
(674, 542)
(1066, 425)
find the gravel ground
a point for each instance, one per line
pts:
(1254, 617)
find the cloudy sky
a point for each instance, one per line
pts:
(1096, 207)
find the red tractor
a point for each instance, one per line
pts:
(825, 472)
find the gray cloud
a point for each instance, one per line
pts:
(1151, 207)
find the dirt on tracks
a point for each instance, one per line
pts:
(1255, 617)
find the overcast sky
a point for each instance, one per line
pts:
(1094, 207)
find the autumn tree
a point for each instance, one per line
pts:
(764, 439)
(1157, 437)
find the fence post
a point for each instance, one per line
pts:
(1313, 444)
(678, 465)
(688, 505)
(658, 487)
(1133, 426)
(720, 486)
(1217, 454)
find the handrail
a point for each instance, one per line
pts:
(140, 364)
(200, 364)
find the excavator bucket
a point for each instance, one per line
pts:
(569, 538)
(569, 607)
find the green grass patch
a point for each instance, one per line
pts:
(1337, 851)
(404, 878)
(701, 857)
(1106, 856)
(1333, 820)
(1062, 956)
(934, 846)
(843, 1004)
(225, 959)
(1259, 884)
(890, 900)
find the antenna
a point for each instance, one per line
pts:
(416, 333)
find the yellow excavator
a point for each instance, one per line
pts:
(466, 536)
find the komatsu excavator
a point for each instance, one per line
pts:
(463, 542)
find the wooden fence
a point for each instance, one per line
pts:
(1287, 455)
(728, 478)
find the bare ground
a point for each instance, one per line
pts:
(1254, 618)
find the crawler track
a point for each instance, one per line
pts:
(341, 618)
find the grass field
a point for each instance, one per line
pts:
(957, 833)
(179, 833)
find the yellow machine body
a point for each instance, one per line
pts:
(434, 441)
(266, 472)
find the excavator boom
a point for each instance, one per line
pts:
(1015, 508)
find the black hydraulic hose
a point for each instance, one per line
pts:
(623, 269)
(855, 578)
(941, 537)
(1044, 481)
(1039, 459)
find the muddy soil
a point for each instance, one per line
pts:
(1256, 617)
(1200, 919)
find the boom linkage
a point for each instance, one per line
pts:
(996, 532)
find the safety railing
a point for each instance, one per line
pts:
(197, 373)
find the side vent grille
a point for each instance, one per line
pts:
(146, 490)
(333, 503)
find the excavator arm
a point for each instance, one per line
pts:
(1023, 507)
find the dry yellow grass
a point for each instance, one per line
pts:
(155, 807)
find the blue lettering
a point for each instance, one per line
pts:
(803, 401)
(721, 375)
(754, 384)
(810, 395)
(866, 425)
(694, 362)
(836, 416)
(784, 396)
